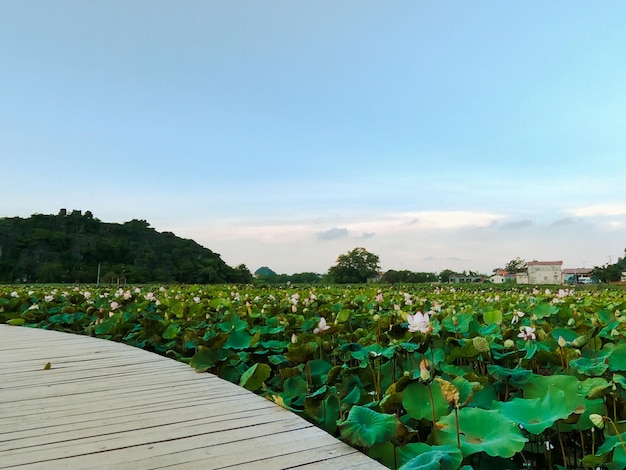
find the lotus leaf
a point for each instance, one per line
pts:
(253, 378)
(385, 453)
(543, 309)
(492, 317)
(204, 359)
(517, 377)
(486, 431)
(171, 331)
(417, 402)
(238, 339)
(589, 366)
(365, 427)
(536, 414)
(617, 359)
(434, 458)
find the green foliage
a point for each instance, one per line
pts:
(365, 427)
(354, 267)
(70, 247)
(384, 389)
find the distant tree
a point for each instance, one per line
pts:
(394, 277)
(243, 273)
(608, 272)
(356, 266)
(515, 265)
(444, 276)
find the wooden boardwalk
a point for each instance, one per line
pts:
(107, 405)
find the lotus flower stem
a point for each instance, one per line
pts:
(432, 409)
(458, 431)
(558, 430)
(582, 441)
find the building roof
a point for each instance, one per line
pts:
(577, 271)
(544, 263)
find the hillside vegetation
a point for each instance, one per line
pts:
(69, 247)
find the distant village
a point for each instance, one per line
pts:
(536, 272)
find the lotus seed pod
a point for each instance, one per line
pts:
(509, 343)
(481, 344)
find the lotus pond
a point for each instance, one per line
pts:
(415, 377)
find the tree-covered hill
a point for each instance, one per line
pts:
(69, 247)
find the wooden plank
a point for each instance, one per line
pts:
(106, 404)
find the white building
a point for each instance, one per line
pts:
(545, 272)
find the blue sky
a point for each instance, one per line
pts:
(437, 135)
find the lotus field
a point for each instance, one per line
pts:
(415, 377)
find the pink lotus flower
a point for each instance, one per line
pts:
(527, 333)
(419, 322)
(321, 326)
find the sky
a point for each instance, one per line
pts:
(282, 133)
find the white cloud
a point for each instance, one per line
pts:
(600, 210)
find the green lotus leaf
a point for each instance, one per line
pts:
(619, 380)
(238, 339)
(492, 317)
(540, 385)
(276, 345)
(481, 430)
(567, 334)
(517, 377)
(589, 366)
(253, 378)
(462, 326)
(617, 359)
(204, 359)
(536, 414)
(543, 309)
(385, 453)
(417, 402)
(171, 331)
(467, 350)
(324, 411)
(344, 316)
(365, 427)
(318, 367)
(436, 458)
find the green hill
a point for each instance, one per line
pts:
(69, 247)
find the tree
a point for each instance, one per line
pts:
(354, 267)
(515, 266)
(444, 276)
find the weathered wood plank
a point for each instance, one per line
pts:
(108, 405)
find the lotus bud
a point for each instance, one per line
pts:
(562, 342)
(571, 322)
(294, 338)
(424, 370)
(597, 420)
(509, 343)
